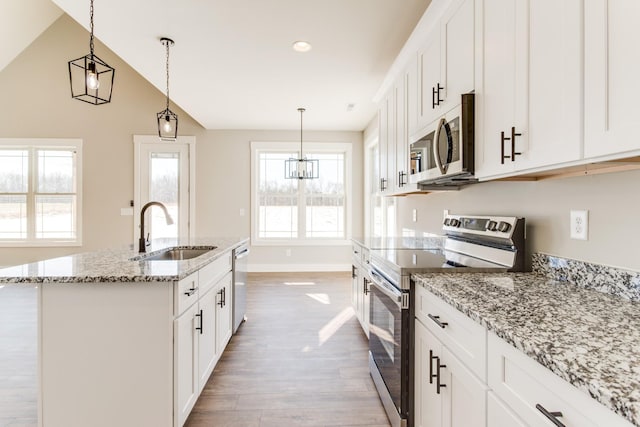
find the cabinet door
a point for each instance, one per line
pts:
(499, 415)
(186, 386)
(464, 395)
(383, 140)
(427, 402)
(554, 84)
(611, 77)
(428, 79)
(223, 320)
(366, 305)
(413, 97)
(207, 354)
(457, 49)
(503, 53)
(400, 155)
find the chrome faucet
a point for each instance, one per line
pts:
(143, 240)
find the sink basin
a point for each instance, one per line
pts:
(180, 253)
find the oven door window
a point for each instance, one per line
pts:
(385, 340)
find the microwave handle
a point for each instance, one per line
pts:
(436, 146)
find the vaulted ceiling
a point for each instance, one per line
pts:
(233, 66)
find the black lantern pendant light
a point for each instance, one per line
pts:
(301, 168)
(167, 119)
(91, 78)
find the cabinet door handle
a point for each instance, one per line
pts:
(220, 302)
(437, 320)
(439, 385)
(513, 144)
(502, 141)
(354, 272)
(200, 321)
(433, 98)
(383, 184)
(224, 297)
(431, 359)
(552, 416)
(190, 292)
(438, 89)
(366, 286)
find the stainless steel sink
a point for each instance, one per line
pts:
(180, 253)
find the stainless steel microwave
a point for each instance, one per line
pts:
(443, 157)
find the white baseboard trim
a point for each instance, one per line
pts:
(285, 268)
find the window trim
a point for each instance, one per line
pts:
(49, 143)
(313, 147)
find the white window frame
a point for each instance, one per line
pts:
(47, 143)
(311, 147)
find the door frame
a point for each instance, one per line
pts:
(190, 143)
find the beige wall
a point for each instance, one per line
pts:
(613, 202)
(36, 102)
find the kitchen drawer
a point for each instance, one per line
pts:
(522, 383)
(186, 293)
(461, 335)
(212, 272)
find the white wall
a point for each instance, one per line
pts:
(613, 201)
(36, 102)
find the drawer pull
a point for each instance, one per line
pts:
(431, 374)
(199, 316)
(190, 292)
(552, 416)
(439, 385)
(437, 320)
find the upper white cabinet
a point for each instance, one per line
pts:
(446, 63)
(611, 34)
(528, 82)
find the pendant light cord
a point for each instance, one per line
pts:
(91, 26)
(302, 110)
(167, 43)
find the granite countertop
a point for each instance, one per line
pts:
(588, 338)
(115, 265)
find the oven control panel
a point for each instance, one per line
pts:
(487, 226)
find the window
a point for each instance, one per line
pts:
(40, 196)
(301, 211)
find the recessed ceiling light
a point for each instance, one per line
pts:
(351, 106)
(301, 46)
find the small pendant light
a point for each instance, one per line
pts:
(301, 168)
(167, 119)
(91, 78)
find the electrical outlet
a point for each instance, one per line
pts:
(415, 215)
(579, 225)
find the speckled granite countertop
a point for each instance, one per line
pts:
(115, 265)
(588, 338)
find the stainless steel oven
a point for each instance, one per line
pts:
(389, 346)
(444, 155)
(472, 244)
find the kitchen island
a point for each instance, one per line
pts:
(588, 339)
(125, 341)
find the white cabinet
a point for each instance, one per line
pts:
(206, 331)
(186, 378)
(383, 142)
(224, 319)
(528, 82)
(500, 415)
(360, 285)
(611, 106)
(537, 395)
(446, 392)
(446, 62)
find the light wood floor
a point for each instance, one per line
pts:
(300, 360)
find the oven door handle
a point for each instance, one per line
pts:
(387, 289)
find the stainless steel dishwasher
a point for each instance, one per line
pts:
(239, 285)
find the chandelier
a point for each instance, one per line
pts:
(167, 119)
(301, 168)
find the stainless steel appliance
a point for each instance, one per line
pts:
(472, 244)
(239, 285)
(443, 157)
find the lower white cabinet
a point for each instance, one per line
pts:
(360, 281)
(499, 414)
(186, 378)
(224, 319)
(206, 331)
(446, 392)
